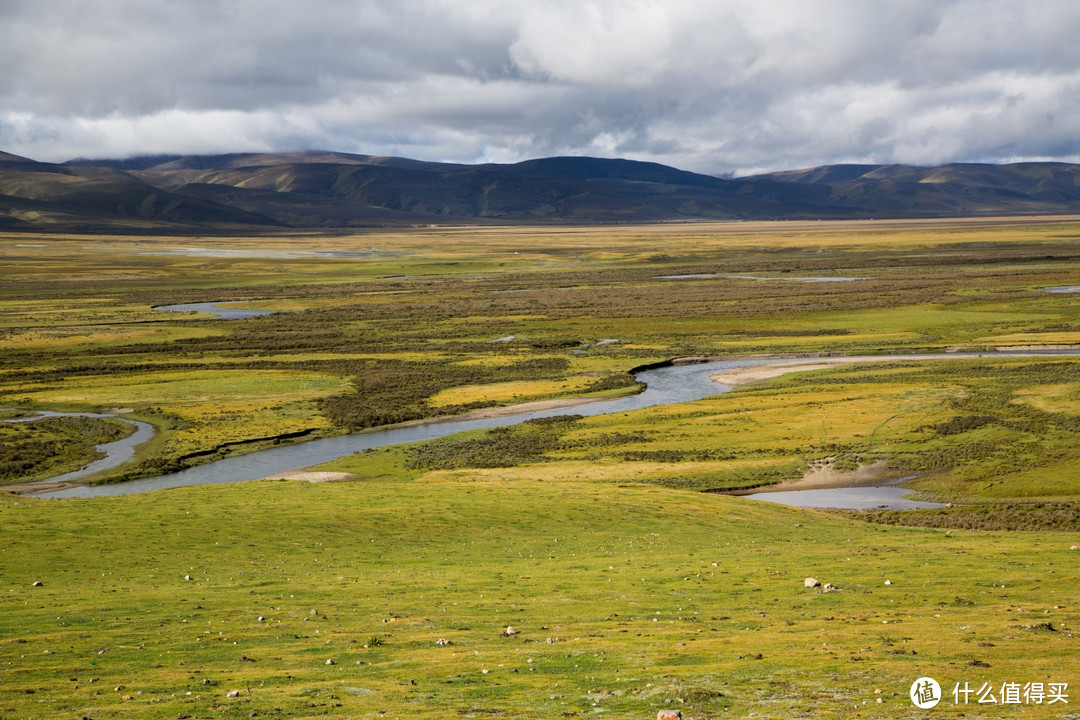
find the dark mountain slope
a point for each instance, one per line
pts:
(959, 189)
(73, 197)
(264, 191)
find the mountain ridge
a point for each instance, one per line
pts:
(272, 192)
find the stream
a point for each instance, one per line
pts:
(666, 385)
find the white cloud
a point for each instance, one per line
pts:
(709, 85)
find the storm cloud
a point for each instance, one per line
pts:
(714, 86)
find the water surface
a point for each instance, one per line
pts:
(116, 452)
(853, 498)
(221, 310)
(665, 386)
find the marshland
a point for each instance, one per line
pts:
(615, 544)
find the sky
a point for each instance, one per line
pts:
(722, 87)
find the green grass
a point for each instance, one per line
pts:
(406, 332)
(651, 598)
(593, 532)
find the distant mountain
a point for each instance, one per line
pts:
(277, 191)
(950, 190)
(45, 196)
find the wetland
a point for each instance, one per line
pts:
(615, 537)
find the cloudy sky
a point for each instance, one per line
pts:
(716, 86)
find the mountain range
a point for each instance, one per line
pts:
(274, 192)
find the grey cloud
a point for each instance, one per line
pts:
(711, 85)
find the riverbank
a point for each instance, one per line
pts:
(748, 374)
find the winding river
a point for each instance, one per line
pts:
(116, 452)
(672, 384)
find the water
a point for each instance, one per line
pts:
(221, 310)
(700, 276)
(665, 386)
(117, 452)
(853, 498)
(269, 253)
(1063, 289)
(668, 385)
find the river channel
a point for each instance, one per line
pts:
(666, 385)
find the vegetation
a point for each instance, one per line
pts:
(625, 599)
(630, 589)
(437, 321)
(53, 445)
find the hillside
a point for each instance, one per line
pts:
(958, 189)
(270, 191)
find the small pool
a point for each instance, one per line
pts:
(221, 310)
(853, 498)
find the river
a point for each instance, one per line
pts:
(666, 385)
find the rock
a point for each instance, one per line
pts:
(187, 577)
(829, 587)
(888, 582)
(810, 582)
(330, 662)
(1075, 547)
(442, 642)
(669, 715)
(125, 697)
(260, 618)
(118, 688)
(232, 694)
(510, 631)
(38, 583)
(313, 612)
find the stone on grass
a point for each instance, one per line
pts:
(232, 693)
(810, 582)
(669, 715)
(38, 583)
(330, 662)
(510, 631)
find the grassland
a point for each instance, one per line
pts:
(626, 599)
(402, 325)
(592, 532)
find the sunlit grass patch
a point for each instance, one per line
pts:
(1035, 338)
(510, 392)
(1056, 398)
(100, 336)
(190, 388)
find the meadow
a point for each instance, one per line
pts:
(605, 541)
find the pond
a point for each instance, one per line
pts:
(221, 310)
(850, 498)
